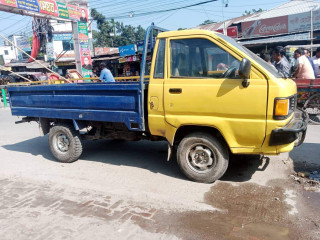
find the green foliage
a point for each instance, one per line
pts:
(252, 11)
(206, 22)
(124, 34)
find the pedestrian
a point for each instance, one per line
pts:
(304, 69)
(105, 75)
(267, 58)
(307, 54)
(280, 61)
(316, 61)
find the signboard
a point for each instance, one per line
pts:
(30, 5)
(265, 27)
(11, 3)
(50, 7)
(141, 43)
(127, 50)
(63, 10)
(302, 22)
(98, 51)
(231, 31)
(129, 59)
(23, 43)
(85, 53)
(50, 51)
(62, 37)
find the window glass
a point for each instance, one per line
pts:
(67, 45)
(6, 52)
(159, 65)
(201, 58)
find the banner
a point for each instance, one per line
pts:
(11, 3)
(98, 51)
(30, 5)
(86, 61)
(50, 7)
(265, 27)
(23, 43)
(302, 22)
(62, 37)
(231, 31)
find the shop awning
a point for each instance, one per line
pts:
(287, 38)
(33, 65)
(105, 58)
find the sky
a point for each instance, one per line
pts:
(128, 11)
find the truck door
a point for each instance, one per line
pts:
(203, 88)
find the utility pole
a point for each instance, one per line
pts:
(311, 33)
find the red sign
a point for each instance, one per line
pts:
(231, 31)
(265, 27)
(77, 13)
(98, 51)
(49, 7)
(11, 3)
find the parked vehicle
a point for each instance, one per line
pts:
(207, 96)
(309, 98)
(32, 76)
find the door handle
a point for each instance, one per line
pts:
(175, 90)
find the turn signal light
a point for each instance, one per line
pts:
(281, 108)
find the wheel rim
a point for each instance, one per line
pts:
(312, 107)
(200, 158)
(61, 142)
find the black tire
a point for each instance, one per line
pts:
(198, 144)
(312, 107)
(71, 148)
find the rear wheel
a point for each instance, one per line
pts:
(65, 143)
(202, 157)
(312, 107)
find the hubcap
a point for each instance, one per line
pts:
(62, 143)
(200, 158)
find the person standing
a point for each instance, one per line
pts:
(267, 58)
(105, 75)
(280, 61)
(304, 68)
(307, 54)
(316, 61)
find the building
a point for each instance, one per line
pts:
(7, 54)
(287, 24)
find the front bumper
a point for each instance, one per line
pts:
(295, 129)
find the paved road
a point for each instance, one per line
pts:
(128, 191)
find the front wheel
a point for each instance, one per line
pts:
(202, 157)
(65, 143)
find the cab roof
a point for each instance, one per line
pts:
(187, 32)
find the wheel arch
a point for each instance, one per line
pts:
(188, 129)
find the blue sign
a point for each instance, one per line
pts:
(141, 43)
(127, 50)
(30, 5)
(62, 37)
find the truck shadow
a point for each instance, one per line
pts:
(147, 155)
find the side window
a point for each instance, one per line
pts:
(201, 58)
(159, 65)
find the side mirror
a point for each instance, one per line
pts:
(244, 72)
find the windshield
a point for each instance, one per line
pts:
(259, 60)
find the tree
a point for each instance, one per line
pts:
(206, 22)
(114, 34)
(252, 12)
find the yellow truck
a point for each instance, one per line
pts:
(207, 96)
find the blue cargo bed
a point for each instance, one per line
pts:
(103, 102)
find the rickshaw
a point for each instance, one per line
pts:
(309, 98)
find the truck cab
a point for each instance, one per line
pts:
(206, 83)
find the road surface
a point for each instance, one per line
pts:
(127, 190)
